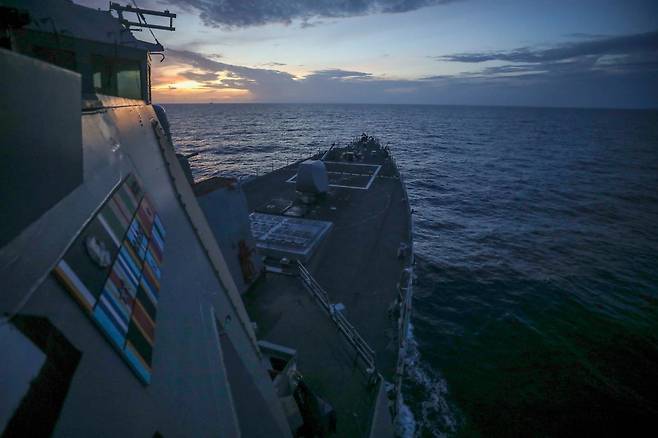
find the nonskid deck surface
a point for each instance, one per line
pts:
(286, 314)
(357, 265)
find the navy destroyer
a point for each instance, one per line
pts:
(136, 301)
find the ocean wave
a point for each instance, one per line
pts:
(535, 239)
(427, 395)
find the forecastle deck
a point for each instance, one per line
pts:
(358, 263)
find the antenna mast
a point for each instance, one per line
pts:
(141, 19)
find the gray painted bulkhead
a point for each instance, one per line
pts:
(227, 213)
(41, 142)
(189, 393)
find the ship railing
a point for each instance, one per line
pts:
(406, 301)
(362, 348)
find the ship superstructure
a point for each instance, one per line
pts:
(138, 302)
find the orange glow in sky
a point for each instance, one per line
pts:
(169, 86)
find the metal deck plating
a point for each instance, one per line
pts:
(357, 265)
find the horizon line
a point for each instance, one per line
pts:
(647, 108)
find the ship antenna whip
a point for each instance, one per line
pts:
(141, 17)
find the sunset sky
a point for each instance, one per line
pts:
(590, 53)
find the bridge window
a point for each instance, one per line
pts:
(117, 77)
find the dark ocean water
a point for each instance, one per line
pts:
(536, 298)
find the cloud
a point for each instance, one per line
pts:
(628, 62)
(620, 45)
(211, 74)
(589, 71)
(616, 72)
(206, 66)
(585, 36)
(337, 74)
(199, 77)
(241, 13)
(261, 84)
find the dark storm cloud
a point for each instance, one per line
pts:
(240, 13)
(620, 45)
